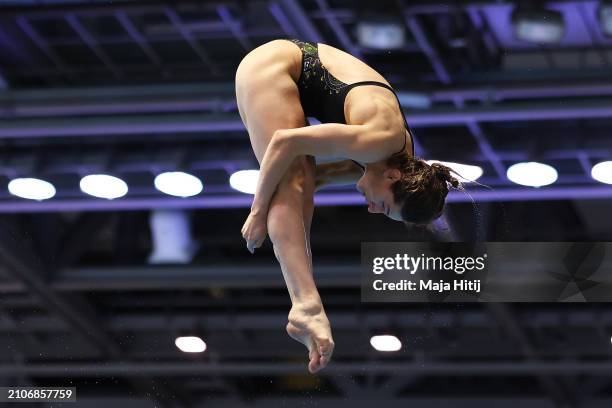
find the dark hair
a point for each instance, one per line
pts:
(422, 189)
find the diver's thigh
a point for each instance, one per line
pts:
(270, 112)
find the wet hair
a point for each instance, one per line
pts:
(421, 191)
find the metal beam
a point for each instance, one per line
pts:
(422, 38)
(176, 123)
(177, 22)
(484, 93)
(262, 321)
(482, 26)
(446, 399)
(76, 312)
(495, 368)
(293, 20)
(234, 26)
(484, 145)
(121, 125)
(18, 264)
(341, 273)
(536, 89)
(41, 43)
(505, 316)
(127, 24)
(512, 112)
(159, 91)
(74, 22)
(69, 280)
(338, 30)
(15, 206)
(207, 96)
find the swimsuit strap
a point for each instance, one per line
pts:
(350, 86)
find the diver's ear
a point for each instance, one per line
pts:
(393, 174)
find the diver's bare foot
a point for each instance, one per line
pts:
(309, 325)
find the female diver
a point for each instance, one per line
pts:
(278, 85)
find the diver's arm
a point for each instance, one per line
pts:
(365, 143)
(275, 162)
(360, 142)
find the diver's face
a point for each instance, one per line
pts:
(375, 186)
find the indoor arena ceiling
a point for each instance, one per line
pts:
(139, 87)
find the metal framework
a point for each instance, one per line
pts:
(139, 87)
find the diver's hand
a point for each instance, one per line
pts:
(310, 326)
(255, 229)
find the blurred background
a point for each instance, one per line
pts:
(126, 175)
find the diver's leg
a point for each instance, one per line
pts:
(300, 318)
(263, 115)
(289, 232)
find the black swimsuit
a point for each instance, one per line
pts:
(322, 95)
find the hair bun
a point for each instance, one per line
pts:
(443, 172)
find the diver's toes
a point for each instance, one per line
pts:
(313, 366)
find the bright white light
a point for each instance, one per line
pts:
(539, 31)
(469, 172)
(605, 18)
(179, 184)
(532, 174)
(602, 172)
(190, 344)
(31, 188)
(380, 35)
(538, 25)
(245, 181)
(386, 343)
(103, 186)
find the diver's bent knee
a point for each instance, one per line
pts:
(292, 183)
(300, 173)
